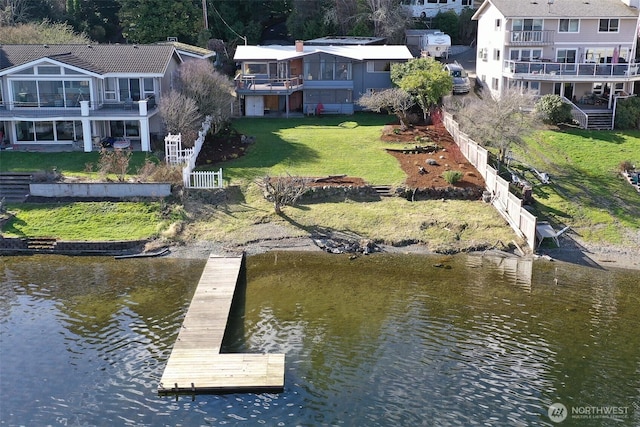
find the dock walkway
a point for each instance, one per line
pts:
(196, 364)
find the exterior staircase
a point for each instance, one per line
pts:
(14, 187)
(41, 244)
(600, 119)
(383, 190)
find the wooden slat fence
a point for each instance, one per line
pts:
(177, 155)
(508, 204)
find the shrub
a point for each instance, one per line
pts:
(115, 162)
(160, 172)
(452, 176)
(552, 109)
(625, 166)
(628, 113)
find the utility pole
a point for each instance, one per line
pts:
(204, 14)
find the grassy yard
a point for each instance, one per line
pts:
(587, 190)
(316, 147)
(92, 221)
(72, 163)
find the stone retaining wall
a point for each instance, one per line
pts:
(357, 193)
(21, 245)
(457, 193)
(368, 193)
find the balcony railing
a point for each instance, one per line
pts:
(530, 38)
(551, 69)
(32, 110)
(244, 82)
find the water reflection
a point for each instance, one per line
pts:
(379, 340)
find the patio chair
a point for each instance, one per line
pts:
(545, 231)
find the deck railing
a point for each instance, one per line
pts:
(586, 69)
(262, 83)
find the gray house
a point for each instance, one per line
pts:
(71, 96)
(312, 79)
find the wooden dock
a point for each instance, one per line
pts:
(196, 364)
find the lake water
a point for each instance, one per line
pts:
(384, 340)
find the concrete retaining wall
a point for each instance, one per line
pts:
(100, 189)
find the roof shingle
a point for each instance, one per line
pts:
(99, 58)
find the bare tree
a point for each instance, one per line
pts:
(180, 115)
(211, 91)
(498, 122)
(283, 190)
(389, 19)
(395, 101)
(13, 12)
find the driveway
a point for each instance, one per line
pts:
(466, 56)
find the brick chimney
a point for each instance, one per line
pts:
(299, 46)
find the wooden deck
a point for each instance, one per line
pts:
(196, 364)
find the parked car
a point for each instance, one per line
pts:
(461, 82)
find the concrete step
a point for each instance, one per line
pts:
(14, 187)
(383, 190)
(41, 243)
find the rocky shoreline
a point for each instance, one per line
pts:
(603, 257)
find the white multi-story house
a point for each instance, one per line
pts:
(71, 96)
(584, 50)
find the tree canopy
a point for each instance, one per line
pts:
(41, 33)
(423, 78)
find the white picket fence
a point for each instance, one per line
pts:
(177, 155)
(508, 204)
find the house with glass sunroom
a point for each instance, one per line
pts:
(73, 96)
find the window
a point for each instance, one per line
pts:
(129, 89)
(51, 93)
(608, 26)
(110, 89)
(496, 54)
(467, 2)
(147, 87)
(525, 54)
(65, 131)
(569, 26)
(44, 131)
(25, 93)
(49, 69)
(24, 131)
(254, 68)
(567, 55)
(494, 83)
(378, 66)
(527, 25)
(498, 24)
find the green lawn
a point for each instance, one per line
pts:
(72, 163)
(587, 191)
(316, 147)
(92, 221)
